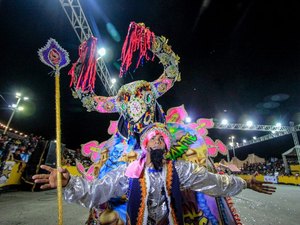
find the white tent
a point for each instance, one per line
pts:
(251, 158)
(292, 152)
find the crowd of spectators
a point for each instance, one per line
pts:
(70, 156)
(271, 167)
(292, 161)
(20, 149)
(17, 149)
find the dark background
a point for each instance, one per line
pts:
(239, 60)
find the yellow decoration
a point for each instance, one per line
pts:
(13, 172)
(58, 147)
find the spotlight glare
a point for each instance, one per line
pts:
(249, 123)
(102, 52)
(188, 119)
(224, 122)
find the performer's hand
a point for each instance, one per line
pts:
(260, 186)
(50, 180)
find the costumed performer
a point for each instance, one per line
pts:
(137, 105)
(152, 184)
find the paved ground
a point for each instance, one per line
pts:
(40, 208)
(283, 207)
(37, 208)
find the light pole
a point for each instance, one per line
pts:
(14, 108)
(228, 157)
(232, 145)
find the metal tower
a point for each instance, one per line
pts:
(276, 131)
(83, 31)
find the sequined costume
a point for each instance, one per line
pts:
(137, 105)
(115, 184)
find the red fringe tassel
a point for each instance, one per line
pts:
(88, 59)
(139, 38)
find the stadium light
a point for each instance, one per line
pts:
(113, 81)
(188, 119)
(224, 122)
(249, 123)
(14, 108)
(232, 144)
(101, 53)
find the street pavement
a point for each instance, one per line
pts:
(283, 207)
(40, 208)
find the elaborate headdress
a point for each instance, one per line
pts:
(135, 102)
(155, 129)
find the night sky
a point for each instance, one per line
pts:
(240, 60)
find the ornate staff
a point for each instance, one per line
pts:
(53, 55)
